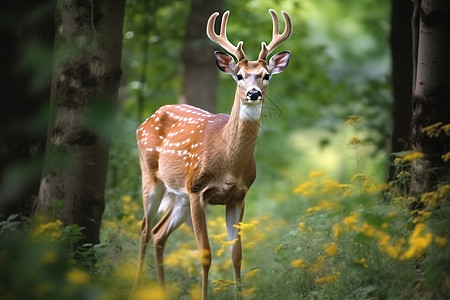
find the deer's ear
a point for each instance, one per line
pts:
(279, 62)
(225, 62)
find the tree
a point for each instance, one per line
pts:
(86, 75)
(27, 38)
(431, 93)
(401, 44)
(198, 67)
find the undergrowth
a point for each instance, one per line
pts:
(355, 239)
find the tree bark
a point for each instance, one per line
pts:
(198, 67)
(431, 94)
(86, 75)
(401, 57)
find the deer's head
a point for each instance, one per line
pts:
(252, 77)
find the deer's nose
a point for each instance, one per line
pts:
(254, 94)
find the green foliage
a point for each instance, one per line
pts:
(319, 222)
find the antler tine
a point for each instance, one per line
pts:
(276, 37)
(222, 39)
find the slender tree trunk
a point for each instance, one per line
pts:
(431, 92)
(198, 68)
(401, 56)
(86, 75)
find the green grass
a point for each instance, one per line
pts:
(320, 232)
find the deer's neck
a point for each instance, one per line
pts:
(239, 134)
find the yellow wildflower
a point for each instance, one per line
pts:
(76, 276)
(328, 278)
(418, 242)
(440, 241)
(195, 293)
(223, 285)
(398, 161)
(355, 142)
(126, 271)
(368, 229)
(331, 249)
(362, 262)
(446, 128)
(421, 216)
(350, 220)
(251, 274)
(322, 206)
(353, 119)
(149, 292)
(301, 226)
(318, 265)
(337, 230)
(298, 263)
(446, 157)
(316, 174)
(433, 130)
(331, 186)
(278, 248)
(413, 155)
(224, 243)
(430, 198)
(126, 198)
(248, 292)
(394, 250)
(48, 231)
(246, 226)
(443, 190)
(305, 188)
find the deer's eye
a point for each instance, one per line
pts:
(239, 77)
(266, 77)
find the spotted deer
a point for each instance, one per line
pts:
(190, 158)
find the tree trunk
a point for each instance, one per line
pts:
(431, 94)
(401, 56)
(198, 67)
(86, 75)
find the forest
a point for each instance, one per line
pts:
(352, 194)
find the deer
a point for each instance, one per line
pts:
(191, 158)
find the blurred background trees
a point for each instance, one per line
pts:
(341, 65)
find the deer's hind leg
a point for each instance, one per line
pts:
(176, 214)
(152, 193)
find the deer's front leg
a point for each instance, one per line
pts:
(234, 214)
(201, 234)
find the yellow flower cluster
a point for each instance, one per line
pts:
(353, 119)
(49, 231)
(410, 156)
(435, 129)
(431, 198)
(223, 285)
(331, 249)
(76, 276)
(328, 278)
(419, 240)
(186, 257)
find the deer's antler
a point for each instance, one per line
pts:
(221, 39)
(276, 37)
